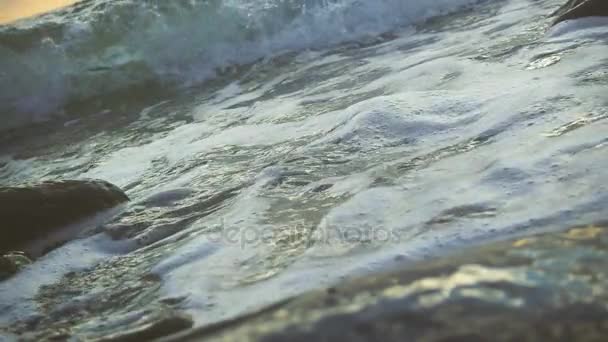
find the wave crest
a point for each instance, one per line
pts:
(98, 47)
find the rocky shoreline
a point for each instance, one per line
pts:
(549, 287)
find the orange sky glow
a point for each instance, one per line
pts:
(11, 10)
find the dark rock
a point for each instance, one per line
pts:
(32, 211)
(551, 287)
(574, 9)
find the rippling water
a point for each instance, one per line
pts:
(272, 147)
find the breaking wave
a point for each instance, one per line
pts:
(100, 47)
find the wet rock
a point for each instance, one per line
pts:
(574, 9)
(11, 263)
(31, 211)
(543, 288)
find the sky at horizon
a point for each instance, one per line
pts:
(11, 10)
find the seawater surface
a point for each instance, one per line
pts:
(272, 147)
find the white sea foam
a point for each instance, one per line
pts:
(460, 142)
(17, 294)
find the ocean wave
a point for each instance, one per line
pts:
(98, 47)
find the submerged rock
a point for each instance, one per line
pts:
(542, 288)
(32, 211)
(574, 9)
(11, 263)
(168, 323)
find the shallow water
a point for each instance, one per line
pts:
(316, 163)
